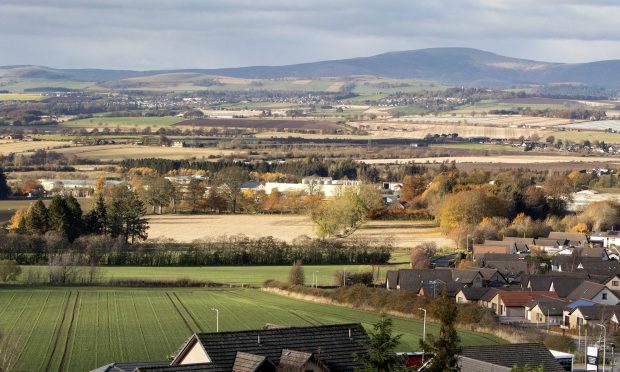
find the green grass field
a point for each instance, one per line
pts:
(78, 329)
(20, 97)
(123, 122)
(8, 207)
(581, 135)
(252, 275)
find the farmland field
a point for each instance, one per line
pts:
(186, 228)
(7, 147)
(78, 329)
(123, 122)
(20, 97)
(500, 159)
(262, 124)
(121, 152)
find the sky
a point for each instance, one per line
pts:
(172, 34)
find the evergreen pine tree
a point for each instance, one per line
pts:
(5, 190)
(381, 344)
(446, 348)
(36, 219)
(59, 218)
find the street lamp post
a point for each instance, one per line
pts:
(217, 319)
(423, 331)
(316, 279)
(604, 342)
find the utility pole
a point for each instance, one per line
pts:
(604, 343)
(217, 319)
(423, 331)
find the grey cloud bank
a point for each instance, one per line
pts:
(158, 34)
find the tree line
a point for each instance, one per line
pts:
(121, 216)
(226, 250)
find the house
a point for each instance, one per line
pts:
(563, 285)
(522, 244)
(569, 238)
(316, 348)
(595, 292)
(491, 277)
(596, 252)
(511, 270)
(432, 282)
(493, 246)
(545, 310)
(588, 315)
(510, 305)
(470, 294)
(606, 239)
(547, 245)
(503, 358)
(590, 265)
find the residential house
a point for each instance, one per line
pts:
(471, 294)
(596, 252)
(562, 284)
(511, 270)
(606, 239)
(590, 265)
(545, 311)
(523, 244)
(548, 245)
(510, 305)
(493, 246)
(570, 239)
(503, 358)
(305, 349)
(595, 292)
(588, 315)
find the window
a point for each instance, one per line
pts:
(539, 317)
(579, 322)
(494, 307)
(615, 283)
(604, 295)
(501, 309)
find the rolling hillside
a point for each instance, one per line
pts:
(454, 66)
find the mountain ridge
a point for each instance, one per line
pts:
(455, 66)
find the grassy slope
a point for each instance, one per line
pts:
(101, 326)
(20, 97)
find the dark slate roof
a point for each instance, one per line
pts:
(414, 279)
(392, 279)
(545, 242)
(201, 367)
(548, 305)
(499, 257)
(510, 355)
(474, 293)
(572, 237)
(487, 273)
(292, 360)
(246, 362)
(330, 344)
(586, 290)
(129, 366)
(565, 286)
(436, 289)
(596, 312)
(510, 269)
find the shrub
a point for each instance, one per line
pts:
(560, 342)
(352, 278)
(9, 270)
(296, 275)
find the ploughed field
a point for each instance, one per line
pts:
(260, 124)
(78, 329)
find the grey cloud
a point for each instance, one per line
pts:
(149, 34)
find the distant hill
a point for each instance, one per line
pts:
(453, 66)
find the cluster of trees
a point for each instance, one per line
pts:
(231, 250)
(122, 216)
(345, 213)
(581, 114)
